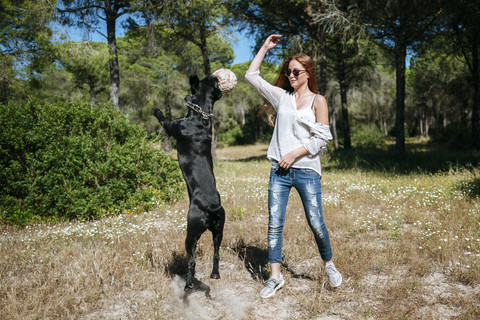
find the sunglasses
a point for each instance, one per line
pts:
(295, 72)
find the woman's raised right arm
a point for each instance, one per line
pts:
(269, 43)
(272, 93)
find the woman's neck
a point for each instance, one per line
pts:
(302, 91)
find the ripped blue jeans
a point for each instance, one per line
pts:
(307, 183)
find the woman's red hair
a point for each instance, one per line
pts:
(307, 62)
(283, 82)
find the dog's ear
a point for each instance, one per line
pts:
(194, 83)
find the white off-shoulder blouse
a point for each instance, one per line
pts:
(293, 128)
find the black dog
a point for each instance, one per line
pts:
(194, 140)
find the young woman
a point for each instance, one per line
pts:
(300, 135)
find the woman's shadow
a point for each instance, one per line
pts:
(254, 259)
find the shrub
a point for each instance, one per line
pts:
(232, 136)
(77, 161)
(367, 137)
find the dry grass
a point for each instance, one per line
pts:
(407, 245)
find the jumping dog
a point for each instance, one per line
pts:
(194, 139)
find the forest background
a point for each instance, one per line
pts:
(390, 70)
(93, 206)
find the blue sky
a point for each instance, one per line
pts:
(242, 49)
(242, 46)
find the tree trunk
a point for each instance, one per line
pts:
(400, 55)
(476, 99)
(347, 141)
(215, 126)
(465, 112)
(319, 57)
(204, 49)
(259, 126)
(322, 86)
(113, 57)
(167, 140)
(426, 128)
(422, 121)
(333, 124)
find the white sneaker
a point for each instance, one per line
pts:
(271, 286)
(333, 275)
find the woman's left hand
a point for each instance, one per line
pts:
(287, 161)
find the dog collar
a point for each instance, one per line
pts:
(196, 108)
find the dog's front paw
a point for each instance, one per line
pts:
(157, 113)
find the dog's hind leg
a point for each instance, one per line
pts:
(217, 234)
(193, 234)
(217, 240)
(190, 246)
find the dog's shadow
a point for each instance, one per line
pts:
(178, 266)
(254, 259)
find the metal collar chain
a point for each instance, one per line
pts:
(196, 108)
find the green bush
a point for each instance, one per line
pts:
(77, 161)
(231, 136)
(367, 137)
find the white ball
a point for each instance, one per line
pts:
(227, 80)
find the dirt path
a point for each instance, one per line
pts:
(235, 297)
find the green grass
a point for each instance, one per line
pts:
(405, 237)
